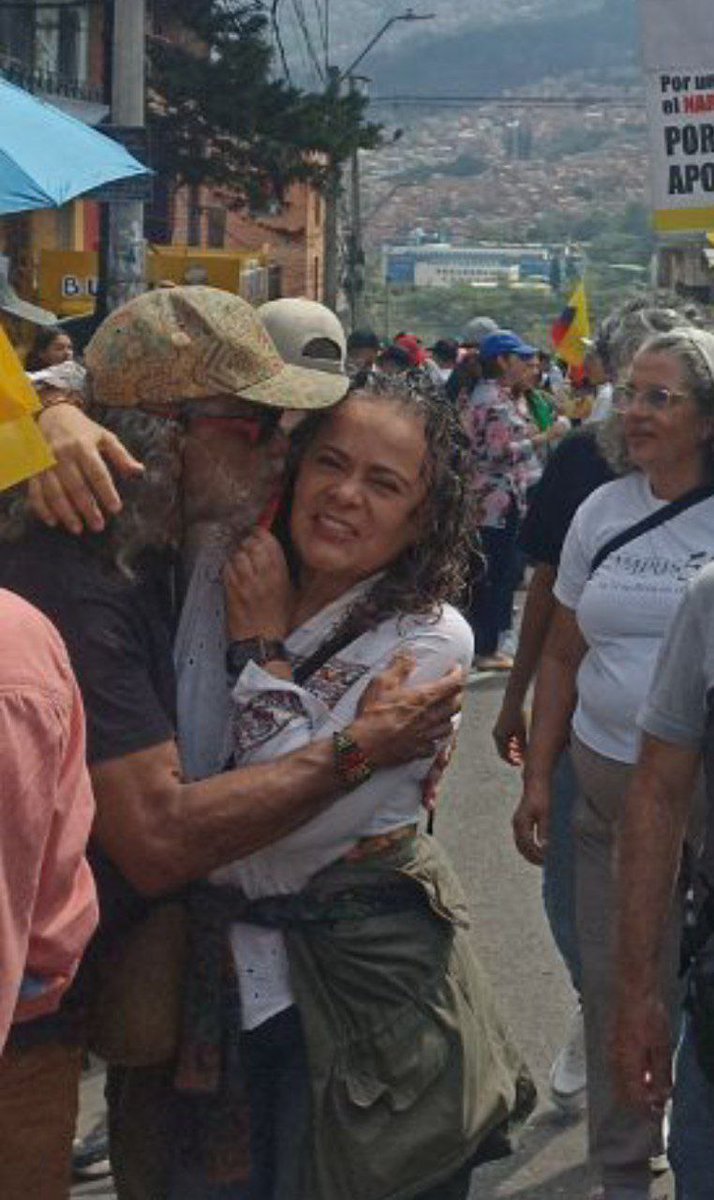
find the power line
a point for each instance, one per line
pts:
(279, 39)
(320, 18)
(512, 101)
(300, 48)
(305, 30)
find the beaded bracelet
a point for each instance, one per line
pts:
(351, 764)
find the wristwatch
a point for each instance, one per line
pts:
(258, 650)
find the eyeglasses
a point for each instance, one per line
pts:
(658, 399)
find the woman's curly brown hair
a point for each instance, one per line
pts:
(436, 569)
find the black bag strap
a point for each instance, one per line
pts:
(345, 633)
(653, 521)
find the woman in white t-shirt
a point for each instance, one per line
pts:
(613, 613)
(372, 1002)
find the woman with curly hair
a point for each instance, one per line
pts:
(374, 1060)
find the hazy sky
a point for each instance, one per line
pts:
(354, 22)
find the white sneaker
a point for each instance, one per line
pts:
(508, 643)
(568, 1075)
(659, 1163)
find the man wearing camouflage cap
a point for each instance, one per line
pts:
(190, 382)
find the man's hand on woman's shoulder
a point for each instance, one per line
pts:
(397, 723)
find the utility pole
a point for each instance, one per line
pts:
(355, 262)
(333, 184)
(126, 265)
(332, 199)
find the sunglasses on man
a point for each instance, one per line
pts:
(255, 428)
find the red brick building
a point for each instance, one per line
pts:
(292, 238)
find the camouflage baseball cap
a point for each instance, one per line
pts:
(190, 343)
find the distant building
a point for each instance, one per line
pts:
(486, 265)
(449, 274)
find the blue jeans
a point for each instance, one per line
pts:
(691, 1143)
(559, 868)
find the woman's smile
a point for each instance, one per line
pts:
(333, 529)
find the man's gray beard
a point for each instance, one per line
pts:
(225, 532)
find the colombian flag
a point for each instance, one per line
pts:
(571, 327)
(23, 450)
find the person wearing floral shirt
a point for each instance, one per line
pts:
(503, 449)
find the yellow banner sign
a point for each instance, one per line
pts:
(23, 450)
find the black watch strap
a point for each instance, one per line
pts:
(258, 650)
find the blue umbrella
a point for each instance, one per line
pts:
(47, 157)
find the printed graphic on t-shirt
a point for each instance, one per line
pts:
(628, 571)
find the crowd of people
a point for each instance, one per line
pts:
(236, 622)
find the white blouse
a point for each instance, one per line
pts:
(272, 717)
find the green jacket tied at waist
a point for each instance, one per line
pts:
(411, 1066)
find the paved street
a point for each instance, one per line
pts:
(511, 937)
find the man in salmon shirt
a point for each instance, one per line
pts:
(48, 906)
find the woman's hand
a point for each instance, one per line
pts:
(79, 490)
(510, 733)
(259, 591)
(530, 821)
(553, 706)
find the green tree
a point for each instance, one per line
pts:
(218, 115)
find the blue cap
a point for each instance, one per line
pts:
(505, 341)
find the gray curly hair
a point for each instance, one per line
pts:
(149, 518)
(693, 348)
(622, 332)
